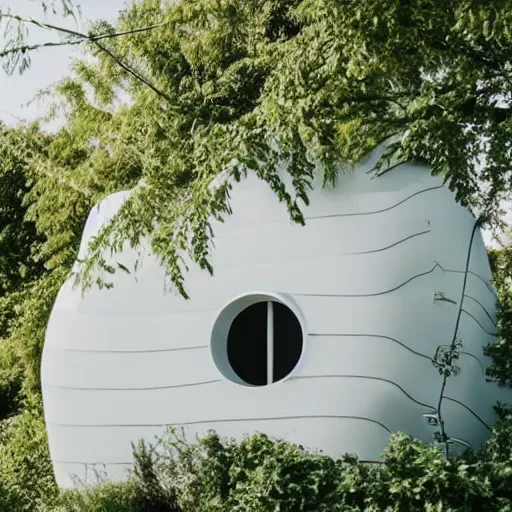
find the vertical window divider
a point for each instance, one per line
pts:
(270, 342)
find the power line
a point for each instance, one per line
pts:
(12, 115)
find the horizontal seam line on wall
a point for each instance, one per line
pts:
(292, 378)
(64, 349)
(479, 324)
(488, 286)
(482, 306)
(389, 246)
(380, 336)
(354, 214)
(471, 411)
(334, 255)
(151, 388)
(396, 341)
(178, 424)
(369, 294)
(367, 377)
(392, 289)
(150, 351)
(317, 335)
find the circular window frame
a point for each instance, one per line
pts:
(222, 325)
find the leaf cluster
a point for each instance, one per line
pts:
(178, 113)
(259, 474)
(217, 89)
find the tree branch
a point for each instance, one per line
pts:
(28, 48)
(83, 37)
(139, 77)
(90, 38)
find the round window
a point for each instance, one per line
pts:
(257, 340)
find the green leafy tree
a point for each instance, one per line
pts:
(239, 86)
(501, 351)
(176, 94)
(19, 241)
(41, 219)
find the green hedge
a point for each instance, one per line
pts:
(260, 474)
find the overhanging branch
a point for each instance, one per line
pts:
(81, 38)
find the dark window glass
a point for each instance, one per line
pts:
(247, 343)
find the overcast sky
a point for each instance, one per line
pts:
(48, 64)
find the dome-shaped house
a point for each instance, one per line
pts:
(328, 335)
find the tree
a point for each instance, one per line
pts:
(501, 351)
(26, 479)
(176, 94)
(41, 220)
(19, 239)
(237, 86)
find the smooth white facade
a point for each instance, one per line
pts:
(362, 275)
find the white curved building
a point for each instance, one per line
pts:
(324, 335)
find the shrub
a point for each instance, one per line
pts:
(26, 473)
(107, 497)
(259, 474)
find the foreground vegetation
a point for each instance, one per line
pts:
(239, 85)
(264, 475)
(259, 474)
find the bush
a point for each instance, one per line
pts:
(108, 497)
(26, 473)
(260, 474)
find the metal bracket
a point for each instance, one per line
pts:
(453, 440)
(441, 297)
(432, 420)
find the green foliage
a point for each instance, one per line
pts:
(203, 87)
(41, 219)
(26, 474)
(216, 475)
(108, 497)
(239, 86)
(20, 243)
(40, 229)
(501, 350)
(259, 474)
(15, 33)
(18, 237)
(245, 85)
(21, 351)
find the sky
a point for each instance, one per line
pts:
(51, 64)
(48, 64)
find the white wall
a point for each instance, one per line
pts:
(120, 365)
